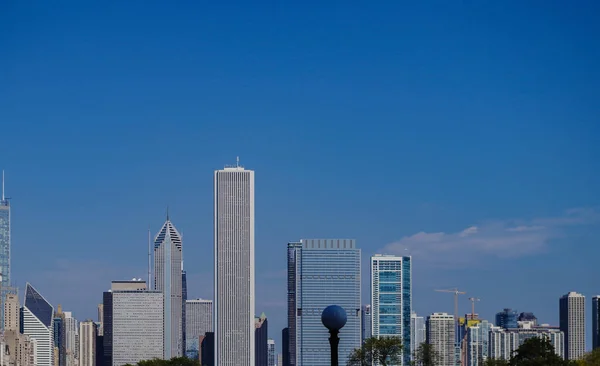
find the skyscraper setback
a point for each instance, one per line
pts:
(168, 263)
(234, 266)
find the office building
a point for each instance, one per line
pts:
(504, 342)
(418, 332)
(234, 266)
(183, 308)
(365, 323)
(17, 347)
(271, 357)
(199, 321)
(572, 323)
(5, 249)
(528, 317)
(391, 299)
(440, 334)
(285, 346)
(168, 264)
(323, 272)
(477, 342)
(11, 313)
(88, 332)
(207, 349)
(137, 326)
(261, 338)
(507, 319)
(38, 325)
(596, 322)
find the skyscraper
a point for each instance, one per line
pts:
(183, 306)
(4, 250)
(11, 313)
(37, 324)
(199, 321)
(168, 264)
(391, 299)
(70, 335)
(596, 322)
(271, 359)
(323, 272)
(285, 346)
(261, 337)
(440, 334)
(234, 266)
(365, 323)
(418, 332)
(572, 323)
(507, 319)
(87, 343)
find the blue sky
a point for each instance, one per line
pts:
(465, 133)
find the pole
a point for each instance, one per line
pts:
(334, 341)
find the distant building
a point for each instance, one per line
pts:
(279, 360)
(477, 342)
(5, 250)
(100, 319)
(70, 335)
(38, 325)
(11, 313)
(572, 323)
(596, 322)
(528, 317)
(503, 342)
(18, 348)
(507, 319)
(391, 302)
(285, 346)
(418, 332)
(365, 323)
(207, 350)
(183, 306)
(322, 272)
(88, 331)
(199, 321)
(271, 359)
(261, 337)
(440, 334)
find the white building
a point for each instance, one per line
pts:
(271, 359)
(234, 266)
(168, 264)
(71, 333)
(87, 343)
(418, 332)
(198, 321)
(38, 325)
(572, 323)
(440, 334)
(477, 343)
(137, 326)
(503, 342)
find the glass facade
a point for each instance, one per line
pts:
(507, 319)
(391, 291)
(322, 272)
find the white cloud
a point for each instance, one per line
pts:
(499, 239)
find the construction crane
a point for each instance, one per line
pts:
(473, 299)
(456, 292)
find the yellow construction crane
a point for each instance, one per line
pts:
(473, 299)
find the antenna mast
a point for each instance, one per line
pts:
(237, 161)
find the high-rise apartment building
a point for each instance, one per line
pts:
(572, 323)
(596, 322)
(440, 334)
(87, 343)
(261, 338)
(418, 332)
(271, 359)
(5, 248)
(504, 342)
(477, 342)
(391, 299)
(70, 333)
(37, 324)
(137, 326)
(322, 272)
(507, 319)
(199, 321)
(365, 322)
(234, 266)
(11, 313)
(168, 264)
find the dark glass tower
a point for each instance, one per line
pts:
(507, 319)
(596, 322)
(261, 335)
(107, 336)
(285, 346)
(183, 300)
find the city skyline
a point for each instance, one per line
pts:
(448, 135)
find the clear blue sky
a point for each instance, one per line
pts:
(465, 132)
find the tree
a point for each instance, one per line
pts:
(495, 362)
(176, 361)
(384, 350)
(591, 359)
(537, 351)
(426, 355)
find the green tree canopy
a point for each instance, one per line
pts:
(537, 351)
(384, 350)
(177, 361)
(426, 355)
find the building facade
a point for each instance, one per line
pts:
(88, 332)
(168, 264)
(365, 322)
(199, 321)
(38, 325)
(234, 266)
(418, 332)
(322, 272)
(477, 343)
(183, 308)
(271, 356)
(261, 338)
(5, 248)
(11, 313)
(137, 326)
(596, 322)
(504, 342)
(391, 299)
(507, 319)
(440, 334)
(285, 346)
(572, 323)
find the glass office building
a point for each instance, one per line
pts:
(391, 299)
(322, 272)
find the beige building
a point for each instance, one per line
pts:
(18, 348)
(87, 343)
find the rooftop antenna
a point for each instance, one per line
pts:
(167, 212)
(237, 163)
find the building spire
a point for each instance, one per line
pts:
(167, 212)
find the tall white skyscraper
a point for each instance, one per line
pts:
(168, 264)
(70, 331)
(417, 332)
(440, 334)
(572, 323)
(88, 331)
(391, 299)
(234, 266)
(38, 325)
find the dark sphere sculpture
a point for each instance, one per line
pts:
(334, 317)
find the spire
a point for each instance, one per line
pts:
(167, 212)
